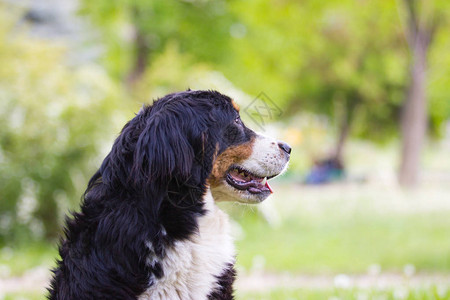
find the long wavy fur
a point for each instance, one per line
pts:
(147, 190)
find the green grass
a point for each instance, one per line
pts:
(323, 231)
(432, 293)
(20, 259)
(348, 244)
(23, 296)
(335, 236)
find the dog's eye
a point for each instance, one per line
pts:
(238, 120)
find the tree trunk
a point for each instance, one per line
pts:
(414, 117)
(141, 58)
(351, 102)
(141, 49)
(344, 130)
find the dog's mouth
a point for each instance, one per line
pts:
(244, 180)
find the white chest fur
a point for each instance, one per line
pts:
(191, 267)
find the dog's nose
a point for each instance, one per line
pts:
(285, 147)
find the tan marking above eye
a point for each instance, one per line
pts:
(235, 105)
(230, 156)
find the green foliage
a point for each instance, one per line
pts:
(54, 120)
(334, 59)
(200, 28)
(347, 60)
(439, 79)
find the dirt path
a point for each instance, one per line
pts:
(36, 280)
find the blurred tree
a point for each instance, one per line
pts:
(424, 18)
(346, 59)
(343, 59)
(200, 28)
(49, 115)
(352, 76)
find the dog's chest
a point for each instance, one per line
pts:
(191, 267)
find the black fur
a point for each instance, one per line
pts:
(225, 281)
(148, 188)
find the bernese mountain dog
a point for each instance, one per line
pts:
(149, 227)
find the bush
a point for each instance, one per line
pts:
(54, 119)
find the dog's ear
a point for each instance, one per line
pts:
(162, 152)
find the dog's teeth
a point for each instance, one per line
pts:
(264, 181)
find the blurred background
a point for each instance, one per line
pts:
(360, 89)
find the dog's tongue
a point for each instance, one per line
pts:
(268, 186)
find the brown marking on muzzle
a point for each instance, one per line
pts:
(230, 156)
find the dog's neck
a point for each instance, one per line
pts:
(192, 267)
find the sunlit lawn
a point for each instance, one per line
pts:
(320, 231)
(337, 235)
(431, 293)
(323, 235)
(23, 296)
(17, 260)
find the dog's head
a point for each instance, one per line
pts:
(241, 172)
(190, 140)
